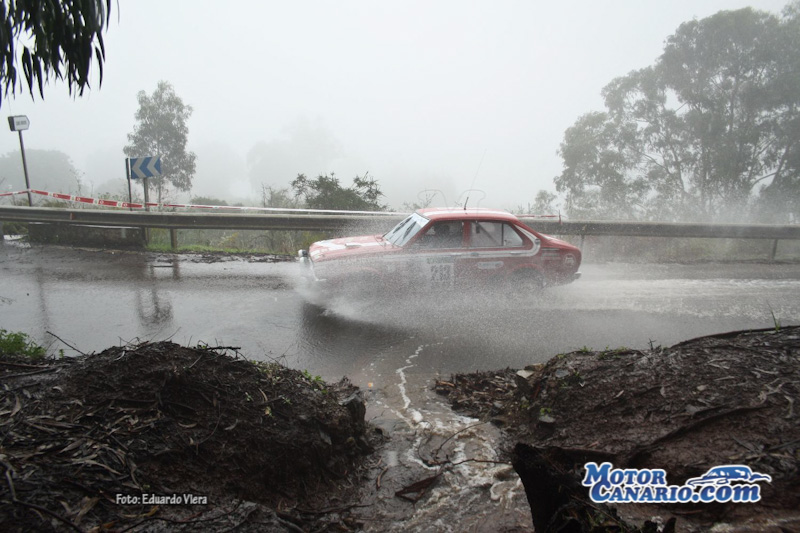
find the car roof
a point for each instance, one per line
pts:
(459, 213)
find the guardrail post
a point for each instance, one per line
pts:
(774, 250)
(173, 238)
(581, 246)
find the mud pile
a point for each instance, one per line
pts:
(161, 436)
(717, 400)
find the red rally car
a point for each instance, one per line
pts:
(446, 248)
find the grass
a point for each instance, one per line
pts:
(282, 242)
(683, 250)
(775, 320)
(201, 248)
(16, 343)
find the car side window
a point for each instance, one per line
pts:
(494, 235)
(442, 235)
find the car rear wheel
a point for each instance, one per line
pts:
(526, 282)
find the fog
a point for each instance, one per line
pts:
(419, 95)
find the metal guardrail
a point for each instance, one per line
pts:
(668, 229)
(150, 219)
(316, 222)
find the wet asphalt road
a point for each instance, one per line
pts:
(392, 346)
(96, 299)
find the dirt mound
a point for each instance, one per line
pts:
(161, 421)
(723, 399)
(480, 394)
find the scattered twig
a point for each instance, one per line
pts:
(11, 489)
(215, 348)
(380, 476)
(417, 490)
(44, 370)
(65, 342)
(20, 365)
(473, 460)
(47, 511)
(328, 510)
(436, 453)
(640, 451)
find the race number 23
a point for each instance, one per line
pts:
(442, 274)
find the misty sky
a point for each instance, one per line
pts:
(413, 92)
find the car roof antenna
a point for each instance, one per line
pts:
(474, 178)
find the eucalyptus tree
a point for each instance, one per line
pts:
(161, 130)
(325, 192)
(709, 131)
(51, 40)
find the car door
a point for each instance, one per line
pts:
(433, 259)
(493, 249)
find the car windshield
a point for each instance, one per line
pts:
(405, 230)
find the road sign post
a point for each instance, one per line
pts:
(19, 123)
(146, 195)
(143, 168)
(128, 177)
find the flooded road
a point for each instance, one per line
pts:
(394, 346)
(96, 299)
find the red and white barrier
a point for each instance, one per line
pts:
(115, 203)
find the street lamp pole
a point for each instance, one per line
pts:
(25, 168)
(19, 123)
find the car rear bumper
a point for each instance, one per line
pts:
(564, 279)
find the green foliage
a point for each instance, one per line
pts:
(775, 320)
(543, 204)
(282, 241)
(207, 200)
(48, 170)
(325, 192)
(243, 241)
(57, 40)
(279, 198)
(15, 228)
(14, 343)
(612, 354)
(200, 248)
(316, 381)
(573, 378)
(425, 199)
(161, 130)
(708, 132)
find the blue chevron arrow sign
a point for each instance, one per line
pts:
(145, 167)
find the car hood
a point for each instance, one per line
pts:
(350, 247)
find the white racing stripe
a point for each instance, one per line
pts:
(473, 212)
